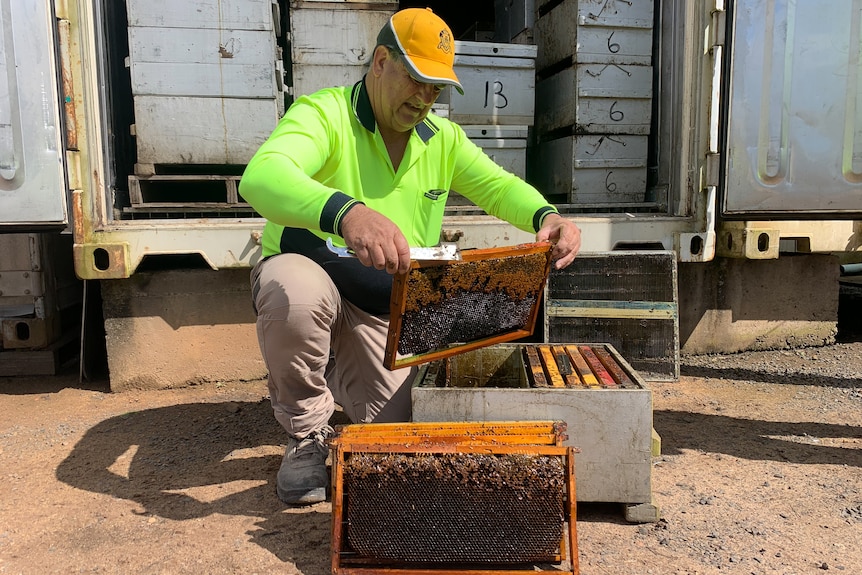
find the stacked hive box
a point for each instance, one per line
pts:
(206, 80)
(497, 107)
(40, 303)
(594, 101)
(331, 43)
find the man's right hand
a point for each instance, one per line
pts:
(376, 240)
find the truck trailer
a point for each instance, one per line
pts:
(706, 146)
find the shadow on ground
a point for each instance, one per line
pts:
(791, 442)
(763, 376)
(157, 457)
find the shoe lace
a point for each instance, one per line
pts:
(314, 443)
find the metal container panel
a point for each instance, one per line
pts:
(794, 142)
(172, 130)
(195, 14)
(32, 181)
(202, 62)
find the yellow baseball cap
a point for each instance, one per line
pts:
(426, 43)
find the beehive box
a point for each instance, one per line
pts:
(610, 425)
(593, 169)
(594, 31)
(625, 298)
(595, 98)
(506, 145)
(499, 84)
(332, 43)
(206, 80)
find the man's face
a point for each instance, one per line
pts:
(406, 101)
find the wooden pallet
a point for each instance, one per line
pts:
(186, 193)
(45, 361)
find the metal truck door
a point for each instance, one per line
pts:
(32, 177)
(793, 145)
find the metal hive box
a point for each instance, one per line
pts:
(609, 423)
(625, 298)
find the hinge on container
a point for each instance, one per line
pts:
(718, 29)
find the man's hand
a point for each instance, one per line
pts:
(376, 240)
(566, 237)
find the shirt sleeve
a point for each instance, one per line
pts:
(278, 181)
(500, 193)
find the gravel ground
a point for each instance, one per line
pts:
(760, 473)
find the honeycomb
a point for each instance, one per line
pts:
(470, 300)
(454, 508)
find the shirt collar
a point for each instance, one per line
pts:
(365, 114)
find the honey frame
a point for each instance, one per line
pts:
(495, 438)
(401, 296)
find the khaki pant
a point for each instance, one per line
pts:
(320, 350)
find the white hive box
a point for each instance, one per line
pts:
(206, 79)
(593, 169)
(612, 428)
(203, 63)
(597, 99)
(184, 130)
(195, 14)
(595, 32)
(499, 84)
(506, 145)
(331, 44)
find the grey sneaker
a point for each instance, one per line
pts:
(302, 477)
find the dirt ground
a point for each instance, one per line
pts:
(760, 473)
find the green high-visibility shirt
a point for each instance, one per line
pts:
(326, 155)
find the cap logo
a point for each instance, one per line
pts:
(445, 41)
